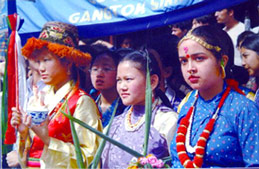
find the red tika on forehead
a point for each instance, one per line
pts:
(185, 49)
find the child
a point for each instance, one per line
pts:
(52, 143)
(34, 86)
(103, 77)
(128, 128)
(217, 126)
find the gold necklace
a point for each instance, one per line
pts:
(132, 127)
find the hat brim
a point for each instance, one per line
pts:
(71, 54)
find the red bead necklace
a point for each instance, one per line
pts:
(202, 141)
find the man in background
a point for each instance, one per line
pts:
(233, 27)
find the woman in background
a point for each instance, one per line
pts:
(250, 58)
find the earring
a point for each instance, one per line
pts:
(223, 72)
(223, 69)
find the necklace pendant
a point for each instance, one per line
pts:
(190, 149)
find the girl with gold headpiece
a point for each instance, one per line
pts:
(50, 144)
(217, 126)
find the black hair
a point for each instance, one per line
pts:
(241, 37)
(90, 49)
(217, 37)
(206, 19)
(252, 43)
(166, 46)
(112, 54)
(141, 57)
(122, 37)
(79, 75)
(123, 51)
(240, 74)
(237, 15)
(184, 25)
(97, 49)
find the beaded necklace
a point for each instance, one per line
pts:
(132, 127)
(182, 142)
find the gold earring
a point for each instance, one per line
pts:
(223, 71)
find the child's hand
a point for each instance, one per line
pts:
(42, 131)
(12, 159)
(20, 120)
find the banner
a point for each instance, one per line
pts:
(107, 17)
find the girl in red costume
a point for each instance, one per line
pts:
(50, 144)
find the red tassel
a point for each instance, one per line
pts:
(10, 136)
(234, 85)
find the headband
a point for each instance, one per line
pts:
(200, 41)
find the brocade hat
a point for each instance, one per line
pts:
(61, 39)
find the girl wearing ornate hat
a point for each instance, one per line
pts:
(217, 126)
(50, 144)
